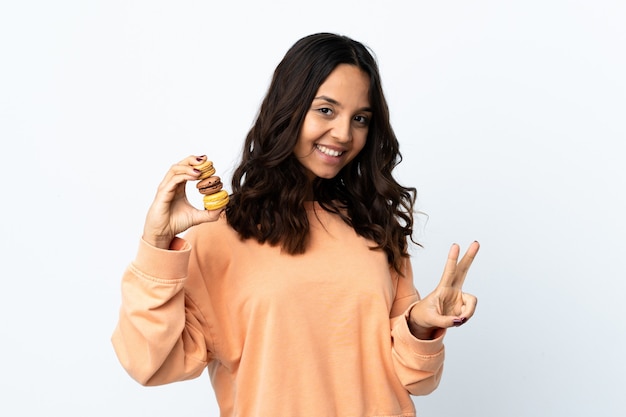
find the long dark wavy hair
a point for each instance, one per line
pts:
(270, 186)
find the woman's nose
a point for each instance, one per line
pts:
(341, 131)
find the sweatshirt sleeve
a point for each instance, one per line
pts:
(158, 338)
(418, 363)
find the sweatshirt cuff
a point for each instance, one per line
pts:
(407, 343)
(163, 264)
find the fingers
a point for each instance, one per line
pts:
(173, 184)
(449, 271)
(467, 312)
(204, 216)
(469, 307)
(465, 263)
(455, 271)
(183, 170)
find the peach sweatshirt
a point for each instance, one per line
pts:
(321, 334)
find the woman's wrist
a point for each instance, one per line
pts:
(419, 331)
(158, 242)
(422, 333)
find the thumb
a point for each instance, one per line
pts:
(205, 216)
(426, 316)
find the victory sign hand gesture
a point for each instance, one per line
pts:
(447, 305)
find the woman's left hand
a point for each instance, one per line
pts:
(447, 305)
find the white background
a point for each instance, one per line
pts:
(511, 117)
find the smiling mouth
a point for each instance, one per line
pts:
(327, 151)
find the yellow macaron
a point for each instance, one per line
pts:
(216, 201)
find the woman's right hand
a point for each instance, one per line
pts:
(170, 212)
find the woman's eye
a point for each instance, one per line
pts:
(362, 119)
(325, 110)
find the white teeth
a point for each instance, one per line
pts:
(330, 152)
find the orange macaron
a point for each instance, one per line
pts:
(206, 169)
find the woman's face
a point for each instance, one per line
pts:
(336, 125)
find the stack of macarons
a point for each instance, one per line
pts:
(211, 187)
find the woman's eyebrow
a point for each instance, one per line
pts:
(328, 99)
(336, 103)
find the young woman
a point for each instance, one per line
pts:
(299, 296)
